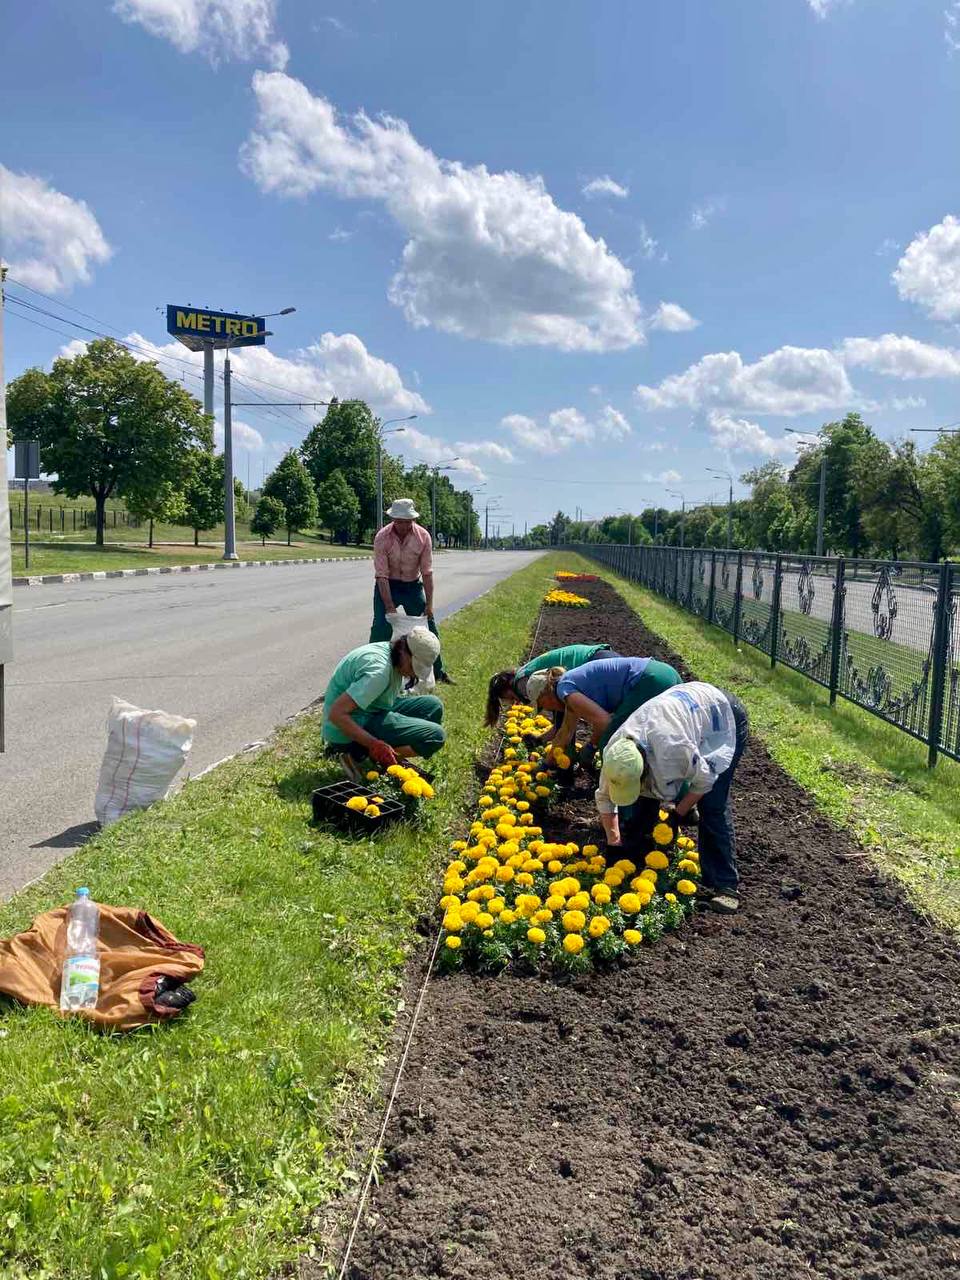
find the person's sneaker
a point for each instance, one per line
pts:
(723, 901)
(445, 678)
(351, 768)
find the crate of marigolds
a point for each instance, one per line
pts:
(357, 808)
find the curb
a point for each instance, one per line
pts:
(99, 575)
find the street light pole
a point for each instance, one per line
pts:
(726, 476)
(380, 434)
(822, 499)
(683, 511)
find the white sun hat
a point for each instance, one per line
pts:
(424, 651)
(403, 509)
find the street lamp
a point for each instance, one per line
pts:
(433, 491)
(380, 434)
(675, 493)
(725, 475)
(822, 503)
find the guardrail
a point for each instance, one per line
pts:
(881, 633)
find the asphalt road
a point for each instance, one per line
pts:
(239, 652)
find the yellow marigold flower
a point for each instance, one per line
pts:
(449, 900)
(372, 776)
(555, 902)
(526, 819)
(597, 865)
(543, 916)
(554, 865)
(649, 874)
(533, 865)
(687, 864)
(669, 897)
(522, 806)
(426, 790)
(474, 895)
(372, 811)
(598, 926)
(633, 937)
(453, 943)
(507, 916)
(686, 887)
(601, 894)
(590, 850)
(515, 739)
(376, 799)
(357, 803)
(630, 903)
(469, 911)
(487, 892)
(541, 776)
(413, 787)
(626, 866)
(496, 905)
(573, 921)
(663, 815)
(613, 877)
(456, 867)
(536, 936)
(573, 944)
(509, 848)
(684, 842)
(453, 921)
(524, 878)
(458, 846)
(485, 802)
(453, 884)
(505, 874)
(656, 860)
(662, 833)
(510, 753)
(579, 901)
(543, 791)
(484, 920)
(396, 771)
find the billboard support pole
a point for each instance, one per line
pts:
(208, 379)
(229, 523)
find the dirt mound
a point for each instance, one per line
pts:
(770, 1097)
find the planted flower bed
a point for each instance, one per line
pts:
(774, 1095)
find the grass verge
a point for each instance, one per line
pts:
(866, 775)
(82, 557)
(206, 1148)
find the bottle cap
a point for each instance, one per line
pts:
(83, 893)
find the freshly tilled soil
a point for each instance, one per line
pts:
(766, 1097)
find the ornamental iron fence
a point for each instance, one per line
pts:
(883, 634)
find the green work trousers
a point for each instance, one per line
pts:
(658, 678)
(410, 722)
(411, 596)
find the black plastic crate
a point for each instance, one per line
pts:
(330, 805)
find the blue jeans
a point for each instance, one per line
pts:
(718, 841)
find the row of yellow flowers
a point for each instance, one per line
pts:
(512, 896)
(566, 599)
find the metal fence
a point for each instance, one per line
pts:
(881, 633)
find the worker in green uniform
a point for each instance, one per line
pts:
(364, 714)
(603, 693)
(510, 686)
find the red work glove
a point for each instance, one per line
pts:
(382, 754)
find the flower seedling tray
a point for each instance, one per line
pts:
(330, 805)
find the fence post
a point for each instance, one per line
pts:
(836, 628)
(711, 594)
(676, 575)
(941, 639)
(738, 598)
(775, 607)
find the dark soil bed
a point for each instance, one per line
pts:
(767, 1097)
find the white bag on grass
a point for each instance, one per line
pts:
(145, 751)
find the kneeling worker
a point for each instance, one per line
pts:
(682, 748)
(364, 714)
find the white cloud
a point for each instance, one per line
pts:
(335, 365)
(485, 449)
(340, 233)
(219, 29)
(702, 214)
(951, 30)
(929, 271)
(902, 403)
(488, 255)
(788, 381)
(672, 318)
(564, 428)
(887, 246)
(244, 436)
(604, 186)
(898, 356)
(822, 7)
(666, 477)
(737, 435)
(51, 241)
(417, 446)
(648, 244)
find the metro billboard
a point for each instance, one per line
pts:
(196, 327)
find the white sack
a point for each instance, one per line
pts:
(401, 624)
(145, 752)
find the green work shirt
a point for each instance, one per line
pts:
(568, 656)
(369, 678)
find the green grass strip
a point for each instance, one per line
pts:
(207, 1148)
(79, 557)
(864, 774)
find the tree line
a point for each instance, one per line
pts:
(110, 426)
(881, 500)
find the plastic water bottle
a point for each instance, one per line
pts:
(80, 984)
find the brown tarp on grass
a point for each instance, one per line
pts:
(135, 950)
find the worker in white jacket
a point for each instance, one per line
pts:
(681, 748)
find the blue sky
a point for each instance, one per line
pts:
(597, 248)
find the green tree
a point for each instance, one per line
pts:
(165, 505)
(558, 528)
(346, 441)
(267, 518)
(203, 495)
(843, 443)
(770, 516)
(291, 485)
(338, 507)
(108, 425)
(900, 493)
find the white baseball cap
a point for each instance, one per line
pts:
(536, 683)
(424, 651)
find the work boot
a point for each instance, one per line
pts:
(445, 678)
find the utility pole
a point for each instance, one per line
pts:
(821, 509)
